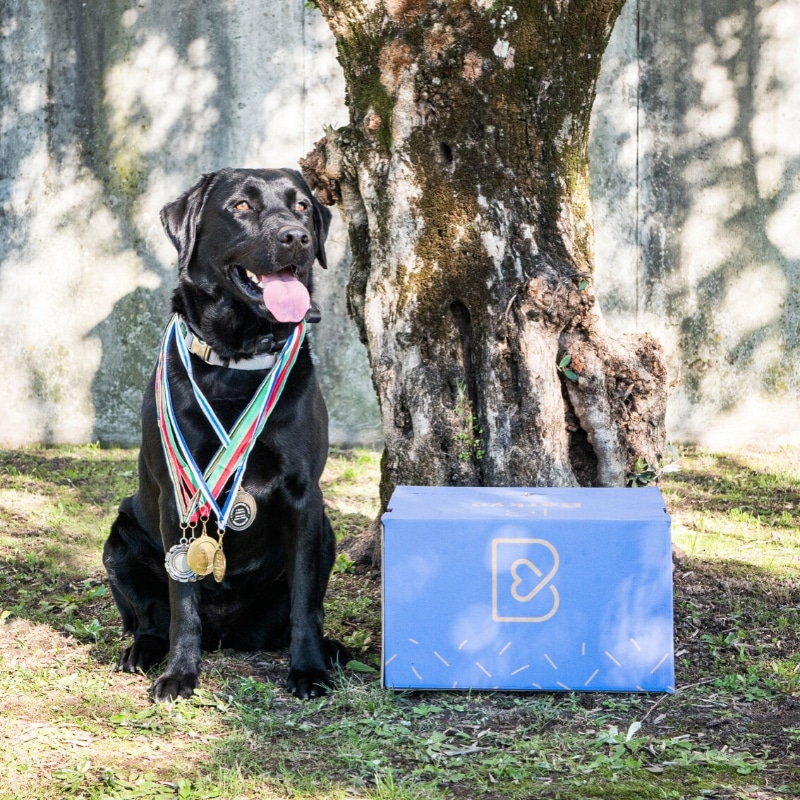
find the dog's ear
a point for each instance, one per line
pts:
(322, 222)
(179, 218)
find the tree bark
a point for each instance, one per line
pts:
(463, 179)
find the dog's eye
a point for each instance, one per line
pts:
(301, 206)
(243, 205)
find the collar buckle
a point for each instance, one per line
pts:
(200, 348)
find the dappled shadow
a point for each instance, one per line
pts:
(732, 482)
(109, 113)
(737, 626)
(736, 280)
(56, 506)
(711, 599)
(94, 481)
(51, 555)
(712, 230)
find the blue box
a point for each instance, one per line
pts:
(527, 589)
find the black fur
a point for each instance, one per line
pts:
(278, 568)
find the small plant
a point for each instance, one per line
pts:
(720, 642)
(85, 630)
(469, 440)
(72, 778)
(360, 666)
(644, 473)
(359, 642)
(387, 789)
(564, 368)
(343, 565)
(793, 734)
(95, 592)
(750, 686)
(623, 748)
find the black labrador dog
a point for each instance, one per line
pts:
(246, 242)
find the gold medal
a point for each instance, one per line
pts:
(219, 564)
(243, 511)
(200, 556)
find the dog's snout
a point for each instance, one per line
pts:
(291, 236)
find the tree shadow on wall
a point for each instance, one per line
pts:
(157, 92)
(713, 268)
(154, 105)
(129, 337)
(172, 106)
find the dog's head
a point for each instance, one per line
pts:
(252, 235)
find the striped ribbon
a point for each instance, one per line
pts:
(196, 492)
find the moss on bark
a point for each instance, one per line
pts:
(474, 122)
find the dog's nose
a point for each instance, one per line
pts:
(291, 236)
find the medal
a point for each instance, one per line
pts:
(243, 511)
(200, 555)
(219, 562)
(218, 565)
(177, 565)
(198, 492)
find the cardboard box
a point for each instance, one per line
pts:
(527, 589)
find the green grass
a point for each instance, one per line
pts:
(738, 508)
(71, 727)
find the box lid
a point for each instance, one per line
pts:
(470, 502)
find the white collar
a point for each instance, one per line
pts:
(204, 351)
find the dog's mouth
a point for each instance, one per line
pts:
(282, 293)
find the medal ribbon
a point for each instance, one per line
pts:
(196, 493)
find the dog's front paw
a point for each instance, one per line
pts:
(306, 684)
(145, 652)
(174, 684)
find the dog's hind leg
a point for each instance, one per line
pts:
(139, 587)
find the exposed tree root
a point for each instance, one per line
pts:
(619, 397)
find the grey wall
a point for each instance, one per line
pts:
(696, 198)
(108, 110)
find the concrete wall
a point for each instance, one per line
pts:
(696, 197)
(108, 110)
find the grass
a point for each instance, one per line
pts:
(742, 509)
(71, 727)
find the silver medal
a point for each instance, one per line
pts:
(243, 511)
(176, 564)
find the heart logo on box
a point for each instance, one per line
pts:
(520, 579)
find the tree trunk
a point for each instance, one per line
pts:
(463, 178)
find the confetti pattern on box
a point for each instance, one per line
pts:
(506, 673)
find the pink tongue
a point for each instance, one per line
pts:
(285, 297)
